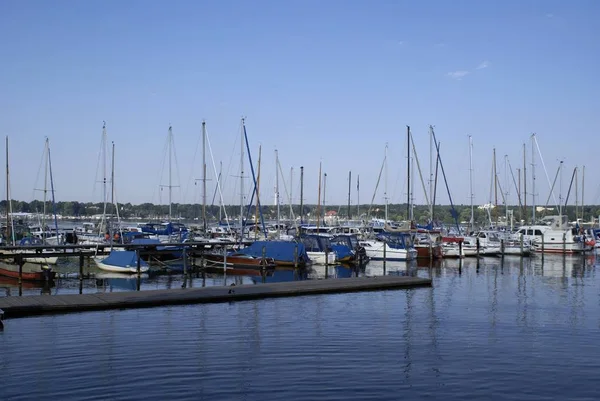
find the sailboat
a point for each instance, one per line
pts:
(391, 244)
(29, 271)
(120, 261)
(169, 231)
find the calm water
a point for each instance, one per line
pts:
(521, 330)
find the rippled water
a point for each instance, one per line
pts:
(521, 330)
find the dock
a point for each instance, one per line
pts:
(24, 306)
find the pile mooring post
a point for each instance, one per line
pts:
(384, 254)
(80, 267)
(296, 256)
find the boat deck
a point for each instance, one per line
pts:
(24, 306)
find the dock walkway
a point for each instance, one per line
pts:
(24, 306)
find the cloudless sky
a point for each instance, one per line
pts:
(327, 82)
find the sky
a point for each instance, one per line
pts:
(326, 83)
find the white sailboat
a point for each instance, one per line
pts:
(120, 261)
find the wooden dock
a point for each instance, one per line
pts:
(24, 306)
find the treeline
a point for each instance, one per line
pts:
(149, 211)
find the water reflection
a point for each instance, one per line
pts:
(559, 272)
(487, 328)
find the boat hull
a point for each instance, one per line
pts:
(242, 261)
(425, 251)
(29, 272)
(119, 269)
(322, 258)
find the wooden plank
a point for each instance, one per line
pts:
(44, 304)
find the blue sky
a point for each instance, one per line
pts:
(326, 82)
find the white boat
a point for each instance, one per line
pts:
(322, 258)
(453, 250)
(121, 262)
(375, 251)
(556, 237)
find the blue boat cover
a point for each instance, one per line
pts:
(278, 250)
(123, 259)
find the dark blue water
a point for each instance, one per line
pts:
(513, 330)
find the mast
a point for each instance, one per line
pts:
(291, 187)
(104, 173)
(408, 194)
(242, 141)
(170, 178)
(472, 221)
(525, 185)
(507, 192)
(45, 187)
(358, 195)
(301, 194)
(495, 189)
(204, 175)
(112, 176)
(221, 206)
(431, 170)
(257, 192)
(277, 191)
(560, 191)
(324, 197)
(385, 197)
(519, 189)
(582, 194)
(349, 188)
(576, 195)
(8, 231)
(319, 200)
(533, 179)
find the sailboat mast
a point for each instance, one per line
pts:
(291, 188)
(277, 192)
(495, 189)
(204, 175)
(301, 194)
(524, 214)
(533, 178)
(431, 169)
(104, 169)
(7, 195)
(242, 180)
(385, 197)
(52, 191)
(349, 189)
(576, 194)
(324, 195)
(45, 187)
(319, 200)
(358, 195)
(221, 198)
(257, 192)
(472, 221)
(560, 190)
(582, 193)
(408, 214)
(112, 177)
(170, 178)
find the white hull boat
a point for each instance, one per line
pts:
(121, 262)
